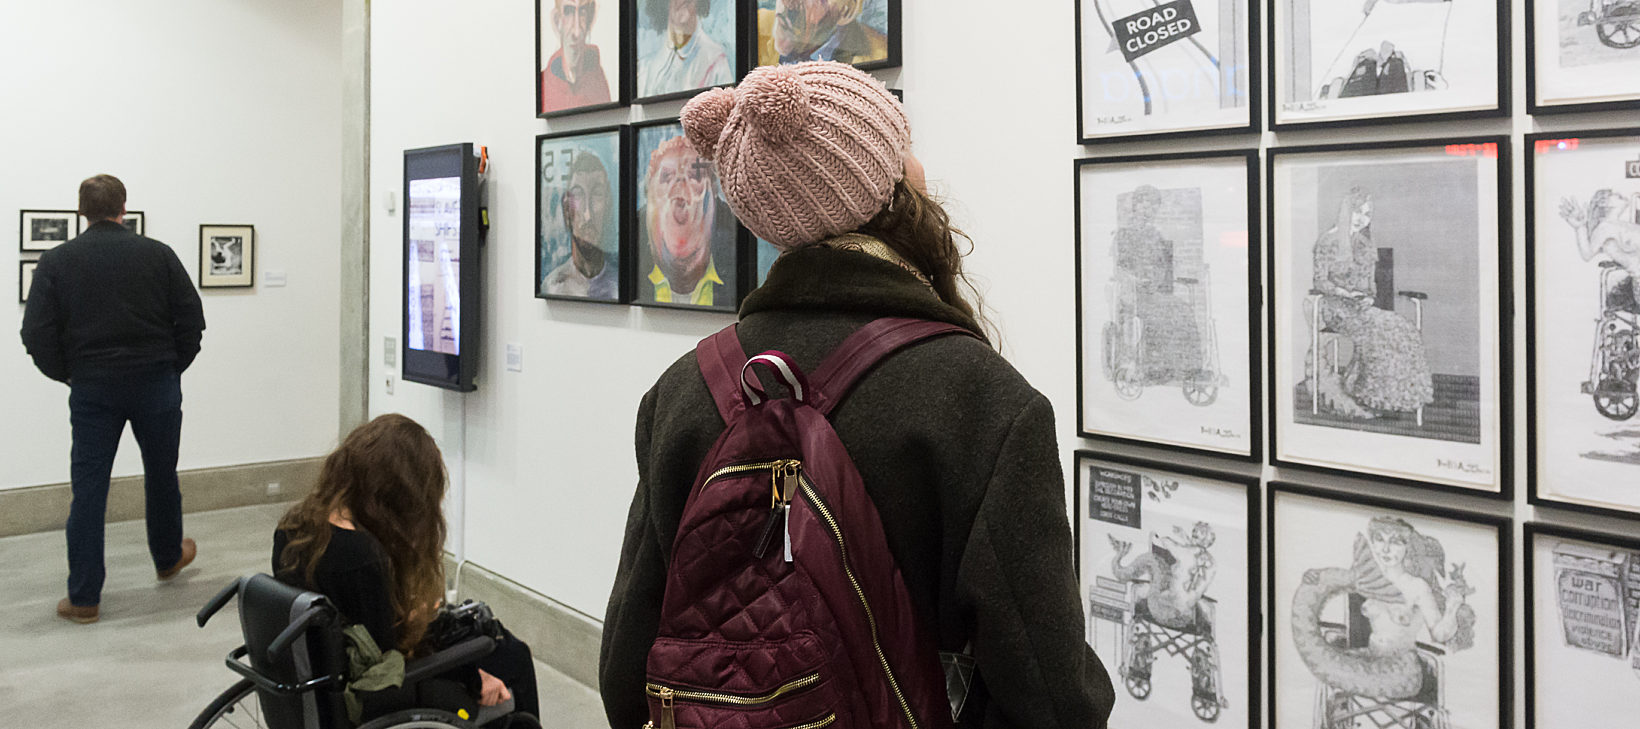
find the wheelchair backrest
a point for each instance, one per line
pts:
(268, 606)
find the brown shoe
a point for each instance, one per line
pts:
(78, 613)
(189, 550)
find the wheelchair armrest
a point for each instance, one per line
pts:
(1418, 295)
(268, 684)
(216, 603)
(1608, 263)
(457, 655)
(1317, 292)
(1433, 650)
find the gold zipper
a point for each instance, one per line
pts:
(662, 692)
(817, 724)
(744, 467)
(825, 513)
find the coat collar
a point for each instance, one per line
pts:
(821, 278)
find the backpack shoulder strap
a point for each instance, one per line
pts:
(721, 360)
(863, 349)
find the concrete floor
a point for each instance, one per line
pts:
(146, 664)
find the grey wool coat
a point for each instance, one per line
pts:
(959, 455)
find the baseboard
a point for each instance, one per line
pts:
(559, 635)
(45, 508)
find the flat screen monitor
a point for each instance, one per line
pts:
(441, 267)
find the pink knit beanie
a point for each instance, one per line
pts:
(805, 151)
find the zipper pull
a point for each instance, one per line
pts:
(766, 538)
(667, 720)
(787, 523)
(789, 486)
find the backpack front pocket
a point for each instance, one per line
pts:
(718, 691)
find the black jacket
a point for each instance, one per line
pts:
(111, 302)
(959, 455)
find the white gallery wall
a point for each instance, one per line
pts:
(210, 112)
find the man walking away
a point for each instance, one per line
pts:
(114, 315)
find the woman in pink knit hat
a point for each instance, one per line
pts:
(957, 452)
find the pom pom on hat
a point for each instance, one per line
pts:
(704, 118)
(775, 101)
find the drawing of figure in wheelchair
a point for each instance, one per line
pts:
(1405, 611)
(1616, 22)
(1409, 32)
(1609, 226)
(1386, 370)
(1168, 611)
(1161, 332)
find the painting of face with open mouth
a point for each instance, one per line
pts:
(688, 230)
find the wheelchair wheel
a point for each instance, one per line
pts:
(418, 719)
(1620, 26)
(1205, 707)
(236, 708)
(1201, 389)
(1136, 677)
(1204, 682)
(1616, 399)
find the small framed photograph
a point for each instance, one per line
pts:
(1387, 60)
(862, 33)
(1167, 316)
(25, 279)
(1582, 55)
(1582, 627)
(688, 251)
(581, 244)
(682, 48)
(1168, 558)
(1387, 614)
(42, 230)
(1389, 270)
(227, 256)
(1583, 320)
(135, 222)
(1145, 70)
(578, 56)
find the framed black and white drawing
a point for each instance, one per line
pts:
(25, 279)
(1386, 614)
(1583, 319)
(581, 246)
(578, 59)
(1582, 55)
(42, 230)
(688, 251)
(1582, 627)
(1167, 316)
(1153, 68)
(1389, 267)
(135, 222)
(862, 33)
(682, 47)
(1168, 559)
(1387, 60)
(227, 256)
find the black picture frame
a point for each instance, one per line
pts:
(1254, 554)
(1501, 525)
(737, 56)
(1255, 89)
(1254, 304)
(733, 245)
(622, 91)
(625, 235)
(136, 221)
(1505, 79)
(1534, 494)
(29, 244)
(1503, 354)
(1530, 531)
(246, 277)
(751, 40)
(1536, 108)
(25, 279)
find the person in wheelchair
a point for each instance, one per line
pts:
(1608, 225)
(1388, 370)
(370, 537)
(1144, 266)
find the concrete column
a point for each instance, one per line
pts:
(354, 400)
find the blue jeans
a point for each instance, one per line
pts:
(98, 409)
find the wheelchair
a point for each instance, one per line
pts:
(1616, 22)
(293, 662)
(1125, 340)
(1338, 709)
(1614, 376)
(1143, 639)
(1324, 341)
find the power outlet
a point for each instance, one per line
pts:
(274, 487)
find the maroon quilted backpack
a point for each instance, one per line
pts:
(784, 608)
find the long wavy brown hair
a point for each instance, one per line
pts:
(388, 478)
(917, 227)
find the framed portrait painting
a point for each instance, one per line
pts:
(581, 244)
(681, 48)
(1582, 55)
(1583, 319)
(39, 231)
(862, 33)
(579, 63)
(227, 256)
(1385, 613)
(1372, 61)
(764, 254)
(25, 279)
(135, 221)
(688, 252)
(1582, 637)
(1167, 317)
(1389, 270)
(1168, 560)
(1153, 68)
